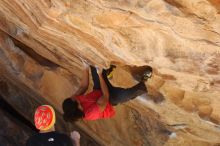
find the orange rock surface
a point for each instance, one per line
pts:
(41, 42)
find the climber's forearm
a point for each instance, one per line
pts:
(85, 78)
(83, 84)
(103, 100)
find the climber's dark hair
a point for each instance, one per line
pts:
(71, 111)
(149, 68)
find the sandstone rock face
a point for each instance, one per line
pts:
(41, 42)
(13, 131)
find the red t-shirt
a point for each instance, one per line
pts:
(91, 108)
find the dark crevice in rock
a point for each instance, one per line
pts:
(174, 3)
(13, 132)
(6, 107)
(38, 58)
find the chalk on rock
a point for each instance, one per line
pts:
(173, 135)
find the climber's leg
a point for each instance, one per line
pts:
(120, 95)
(106, 74)
(109, 72)
(95, 78)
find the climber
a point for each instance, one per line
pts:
(44, 120)
(98, 103)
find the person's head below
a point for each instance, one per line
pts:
(45, 118)
(72, 110)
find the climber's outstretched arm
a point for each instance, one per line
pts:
(102, 102)
(83, 84)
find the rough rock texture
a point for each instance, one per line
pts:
(13, 131)
(41, 41)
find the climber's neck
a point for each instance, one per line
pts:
(49, 130)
